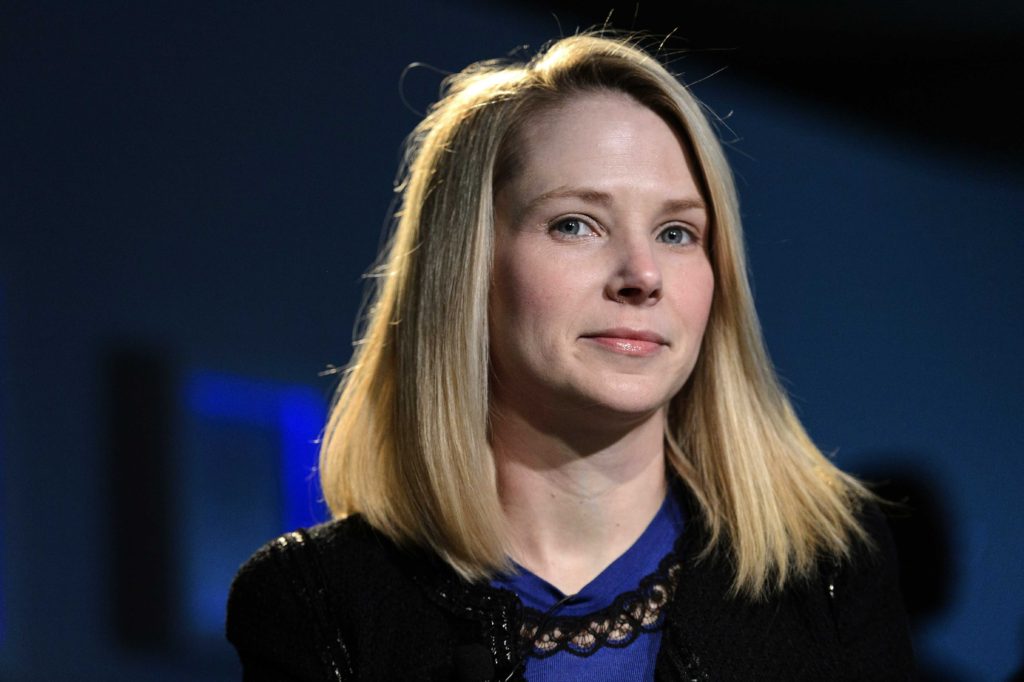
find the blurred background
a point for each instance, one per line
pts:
(191, 192)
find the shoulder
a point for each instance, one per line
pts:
(842, 621)
(874, 555)
(278, 573)
(338, 594)
(870, 617)
(345, 544)
(274, 566)
(280, 615)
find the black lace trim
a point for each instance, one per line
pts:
(618, 625)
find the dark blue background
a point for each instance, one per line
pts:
(206, 186)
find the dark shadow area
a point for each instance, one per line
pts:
(926, 70)
(919, 518)
(1018, 675)
(139, 406)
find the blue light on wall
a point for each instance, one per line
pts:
(248, 475)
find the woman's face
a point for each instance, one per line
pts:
(601, 284)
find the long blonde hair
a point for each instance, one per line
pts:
(406, 441)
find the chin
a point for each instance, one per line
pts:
(631, 403)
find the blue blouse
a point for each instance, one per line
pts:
(610, 629)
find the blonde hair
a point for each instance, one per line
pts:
(406, 443)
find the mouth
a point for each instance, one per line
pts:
(633, 342)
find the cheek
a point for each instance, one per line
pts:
(707, 289)
(526, 316)
(695, 305)
(525, 292)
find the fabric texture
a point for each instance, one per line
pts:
(341, 602)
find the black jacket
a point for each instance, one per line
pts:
(341, 602)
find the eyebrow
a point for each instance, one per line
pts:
(605, 199)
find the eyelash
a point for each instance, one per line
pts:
(553, 227)
(570, 219)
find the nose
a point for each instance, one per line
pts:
(636, 277)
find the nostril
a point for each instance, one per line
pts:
(637, 295)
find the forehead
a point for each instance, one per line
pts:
(600, 137)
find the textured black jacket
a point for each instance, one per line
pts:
(341, 602)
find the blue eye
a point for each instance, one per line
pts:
(572, 227)
(676, 235)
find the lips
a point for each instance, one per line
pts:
(633, 342)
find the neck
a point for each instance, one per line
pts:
(575, 503)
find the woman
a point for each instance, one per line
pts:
(560, 450)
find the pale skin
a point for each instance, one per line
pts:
(601, 291)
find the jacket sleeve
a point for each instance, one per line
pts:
(274, 618)
(870, 615)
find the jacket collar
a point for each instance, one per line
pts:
(493, 617)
